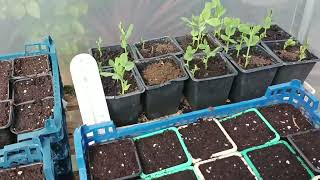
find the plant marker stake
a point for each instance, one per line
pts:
(88, 87)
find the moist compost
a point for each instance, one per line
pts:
(308, 143)
(155, 48)
(23, 173)
(185, 41)
(32, 89)
(5, 73)
(275, 33)
(291, 53)
(285, 119)
(204, 138)
(159, 72)
(32, 116)
(108, 53)
(259, 58)
(277, 162)
(216, 67)
(113, 87)
(31, 65)
(113, 160)
(160, 152)
(248, 130)
(182, 175)
(229, 168)
(4, 113)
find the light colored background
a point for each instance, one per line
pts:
(76, 24)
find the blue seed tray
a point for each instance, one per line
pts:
(291, 93)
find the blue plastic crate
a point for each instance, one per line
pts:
(26, 153)
(291, 93)
(53, 126)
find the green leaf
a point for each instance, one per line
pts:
(244, 28)
(106, 74)
(111, 63)
(214, 22)
(255, 40)
(116, 76)
(33, 8)
(129, 66)
(129, 31)
(224, 37)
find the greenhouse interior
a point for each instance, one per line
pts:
(133, 89)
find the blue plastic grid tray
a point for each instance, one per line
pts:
(291, 93)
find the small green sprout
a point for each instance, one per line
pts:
(303, 51)
(206, 49)
(288, 43)
(252, 40)
(244, 29)
(194, 70)
(125, 36)
(231, 25)
(188, 56)
(99, 42)
(142, 41)
(120, 66)
(267, 24)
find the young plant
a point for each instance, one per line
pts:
(219, 12)
(125, 36)
(251, 40)
(99, 42)
(142, 41)
(206, 49)
(194, 70)
(303, 51)
(188, 56)
(288, 43)
(267, 24)
(244, 29)
(231, 25)
(120, 66)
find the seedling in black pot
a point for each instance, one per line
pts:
(231, 25)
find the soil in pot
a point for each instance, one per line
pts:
(277, 162)
(5, 73)
(4, 113)
(31, 65)
(248, 130)
(32, 116)
(160, 151)
(32, 89)
(113, 87)
(158, 47)
(185, 41)
(291, 53)
(285, 118)
(23, 173)
(113, 160)
(182, 175)
(110, 52)
(229, 168)
(275, 33)
(6, 137)
(204, 138)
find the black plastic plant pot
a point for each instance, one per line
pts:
(252, 83)
(162, 99)
(291, 69)
(124, 109)
(276, 33)
(6, 137)
(157, 47)
(209, 92)
(111, 52)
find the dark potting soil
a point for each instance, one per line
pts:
(182, 175)
(160, 152)
(32, 116)
(32, 89)
(7, 138)
(258, 58)
(23, 173)
(291, 53)
(309, 143)
(248, 130)
(161, 71)
(31, 65)
(109, 53)
(216, 67)
(113, 87)
(277, 162)
(185, 41)
(204, 138)
(275, 33)
(229, 168)
(113, 160)
(4, 113)
(285, 119)
(5, 73)
(155, 48)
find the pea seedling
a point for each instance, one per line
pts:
(125, 36)
(231, 25)
(99, 42)
(303, 51)
(267, 24)
(288, 43)
(251, 41)
(244, 29)
(194, 70)
(206, 49)
(120, 66)
(188, 56)
(219, 12)
(142, 41)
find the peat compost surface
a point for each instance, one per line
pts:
(23, 173)
(275, 33)
(5, 72)
(4, 113)
(157, 48)
(182, 175)
(31, 65)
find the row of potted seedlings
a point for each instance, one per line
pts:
(236, 61)
(246, 145)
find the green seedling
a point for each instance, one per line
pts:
(194, 70)
(266, 24)
(244, 29)
(219, 12)
(188, 56)
(288, 43)
(125, 36)
(120, 66)
(142, 41)
(251, 40)
(303, 51)
(231, 25)
(99, 42)
(206, 49)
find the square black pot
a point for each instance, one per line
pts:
(291, 70)
(163, 99)
(252, 83)
(209, 92)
